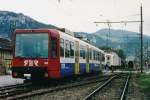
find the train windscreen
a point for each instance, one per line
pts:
(29, 45)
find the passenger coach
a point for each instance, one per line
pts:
(53, 54)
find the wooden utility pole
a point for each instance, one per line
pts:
(141, 38)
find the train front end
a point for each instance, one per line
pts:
(32, 55)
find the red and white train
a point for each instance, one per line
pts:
(53, 54)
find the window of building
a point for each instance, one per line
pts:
(62, 47)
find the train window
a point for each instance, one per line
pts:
(72, 49)
(103, 57)
(67, 48)
(87, 53)
(54, 47)
(108, 57)
(90, 54)
(31, 45)
(98, 56)
(82, 52)
(62, 47)
(93, 54)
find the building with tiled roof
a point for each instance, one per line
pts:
(5, 54)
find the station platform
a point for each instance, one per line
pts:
(7, 80)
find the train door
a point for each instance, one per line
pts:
(54, 61)
(87, 59)
(76, 58)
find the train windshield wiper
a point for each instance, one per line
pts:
(19, 56)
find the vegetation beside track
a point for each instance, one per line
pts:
(143, 82)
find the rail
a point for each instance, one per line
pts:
(99, 88)
(125, 88)
(54, 89)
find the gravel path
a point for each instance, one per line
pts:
(111, 91)
(76, 93)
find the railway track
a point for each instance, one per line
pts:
(119, 95)
(14, 86)
(21, 93)
(13, 89)
(123, 94)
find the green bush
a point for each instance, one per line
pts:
(144, 82)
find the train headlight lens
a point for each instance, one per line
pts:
(46, 74)
(15, 74)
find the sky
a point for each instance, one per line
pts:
(80, 15)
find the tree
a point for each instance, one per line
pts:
(121, 54)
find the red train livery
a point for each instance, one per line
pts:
(50, 53)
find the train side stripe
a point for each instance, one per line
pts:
(76, 68)
(87, 68)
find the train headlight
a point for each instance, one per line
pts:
(15, 74)
(45, 74)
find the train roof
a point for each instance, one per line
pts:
(81, 41)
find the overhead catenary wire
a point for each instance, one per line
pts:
(109, 22)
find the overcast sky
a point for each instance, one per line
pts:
(79, 15)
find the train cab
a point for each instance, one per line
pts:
(36, 54)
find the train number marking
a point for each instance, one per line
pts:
(30, 62)
(25, 62)
(36, 62)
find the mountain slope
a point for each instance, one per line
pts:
(128, 41)
(10, 20)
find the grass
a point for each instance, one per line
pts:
(144, 82)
